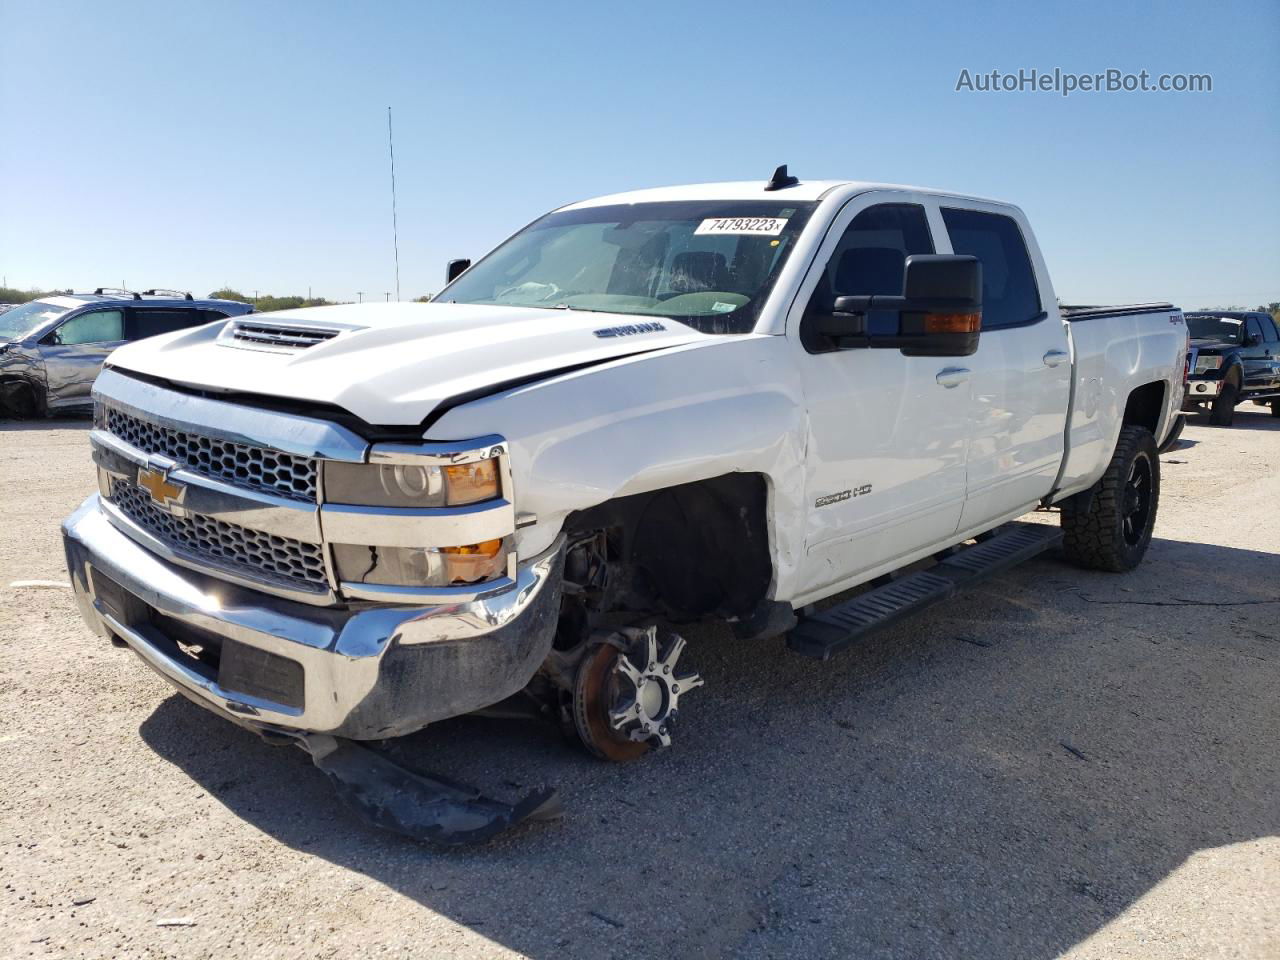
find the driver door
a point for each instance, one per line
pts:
(73, 353)
(888, 433)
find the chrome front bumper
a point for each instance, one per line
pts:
(367, 671)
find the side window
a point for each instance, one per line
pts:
(870, 259)
(145, 322)
(98, 326)
(1269, 330)
(1009, 294)
(1253, 328)
(872, 255)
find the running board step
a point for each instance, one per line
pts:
(825, 634)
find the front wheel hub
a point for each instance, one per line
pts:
(628, 694)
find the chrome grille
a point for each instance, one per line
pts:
(251, 552)
(256, 468)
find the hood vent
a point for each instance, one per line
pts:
(260, 335)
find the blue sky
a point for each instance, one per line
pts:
(187, 145)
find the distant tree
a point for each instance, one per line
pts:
(267, 302)
(425, 298)
(12, 295)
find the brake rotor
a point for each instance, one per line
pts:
(626, 694)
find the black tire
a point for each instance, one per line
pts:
(1224, 406)
(1275, 408)
(1113, 532)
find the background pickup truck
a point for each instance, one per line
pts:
(1234, 357)
(721, 401)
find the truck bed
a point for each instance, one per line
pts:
(1073, 313)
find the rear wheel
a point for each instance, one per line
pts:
(1275, 408)
(1114, 530)
(1224, 407)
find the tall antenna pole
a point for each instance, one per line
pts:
(395, 237)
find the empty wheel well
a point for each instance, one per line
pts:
(19, 397)
(690, 551)
(1145, 405)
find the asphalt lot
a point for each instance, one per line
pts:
(1060, 762)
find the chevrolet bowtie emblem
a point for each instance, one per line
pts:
(164, 492)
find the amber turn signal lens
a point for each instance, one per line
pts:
(475, 562)
(486, 548)
(952, 322)
(471, 482)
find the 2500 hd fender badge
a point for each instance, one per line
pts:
(843, 495)
(630, 330)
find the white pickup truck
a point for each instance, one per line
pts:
(726, 401)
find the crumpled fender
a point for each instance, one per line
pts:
(728, 405)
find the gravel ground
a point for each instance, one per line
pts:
(1058, 763)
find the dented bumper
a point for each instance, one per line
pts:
(365, 671)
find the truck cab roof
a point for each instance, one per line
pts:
(805, 191)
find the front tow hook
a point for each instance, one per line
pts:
(420, 806)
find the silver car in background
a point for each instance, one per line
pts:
(51, 349)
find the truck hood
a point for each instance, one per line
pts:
(1213, 346)
(395, 364)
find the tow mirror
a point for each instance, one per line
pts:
(454, 268)
(938, 315)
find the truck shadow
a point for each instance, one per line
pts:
(1248, 417)
(999, 778)
(10, 424)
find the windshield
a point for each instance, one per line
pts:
(709, 264)
(21, 320)
(1225, 329)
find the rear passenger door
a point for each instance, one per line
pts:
(1020, 375)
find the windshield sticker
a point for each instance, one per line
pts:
(742, 226)
(721, 307)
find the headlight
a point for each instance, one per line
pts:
(422, 567)
(411, 485)
(1204, 364)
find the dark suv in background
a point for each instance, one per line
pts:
(51, 349)
(1235, 356)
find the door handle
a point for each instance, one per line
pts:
(952, 376)
(1055, 357)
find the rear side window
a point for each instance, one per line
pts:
(152, 323)
(1009, 294)
(1269, 331)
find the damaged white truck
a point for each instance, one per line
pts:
(724, 401)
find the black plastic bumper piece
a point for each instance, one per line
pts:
(824, 634)
(420, 806)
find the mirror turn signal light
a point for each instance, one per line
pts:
(952, 322)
